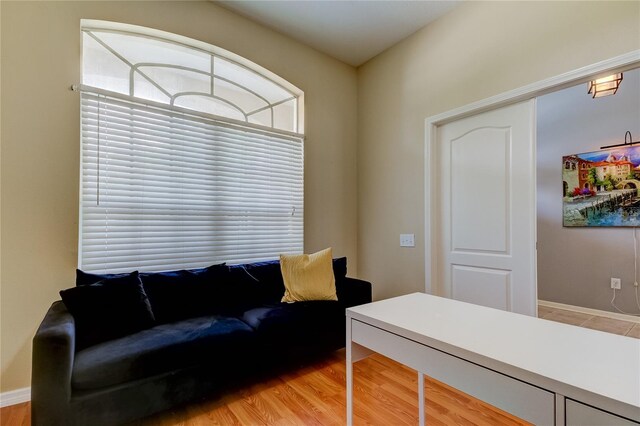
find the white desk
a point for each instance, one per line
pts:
(541, 371)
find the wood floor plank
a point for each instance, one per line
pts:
(298, 408)
(323, 402)
(385, 393)
(252, 408)
(221, 416)
(16, 415)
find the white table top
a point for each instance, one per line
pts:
(574, 361)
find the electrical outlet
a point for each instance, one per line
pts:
(615, 283)
(407, 240)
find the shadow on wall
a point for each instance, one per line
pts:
(16, 364)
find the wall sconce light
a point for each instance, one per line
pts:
(605, 86)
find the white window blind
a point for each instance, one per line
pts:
(163, 189)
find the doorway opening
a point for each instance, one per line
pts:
(434, 264)
(577, 257)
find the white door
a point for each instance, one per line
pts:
(486, 216)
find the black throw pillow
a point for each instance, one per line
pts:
(268, 276)
(177, 295)
(246, 291)
(340, 268)
(108, 309)
(84, 278)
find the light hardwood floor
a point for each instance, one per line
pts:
(385, 393)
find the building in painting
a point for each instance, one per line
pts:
(575, 174)
(618, 167)
(569, 174)
(583, 173)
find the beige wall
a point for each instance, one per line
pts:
(478, 50)
(40, 144)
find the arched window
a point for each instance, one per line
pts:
(191, 155)
(183, 73)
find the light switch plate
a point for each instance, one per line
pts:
(407, 240)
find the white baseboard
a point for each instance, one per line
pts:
(589, 311)
(15, 397)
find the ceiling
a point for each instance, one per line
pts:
(351, 31)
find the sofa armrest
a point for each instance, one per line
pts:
(353, 292)
(52, 365)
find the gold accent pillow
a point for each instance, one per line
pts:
(308, 276)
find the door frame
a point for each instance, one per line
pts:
(600, 69)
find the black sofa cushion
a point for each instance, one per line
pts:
(257, 283)
(221, 342)
(284, 325)
(86, 278)
(340, 268)
(180, 294)
(177, 295)
(261, 283)
(108, 309)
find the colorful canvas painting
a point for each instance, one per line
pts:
(602, 188)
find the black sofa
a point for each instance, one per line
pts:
(212, 328)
